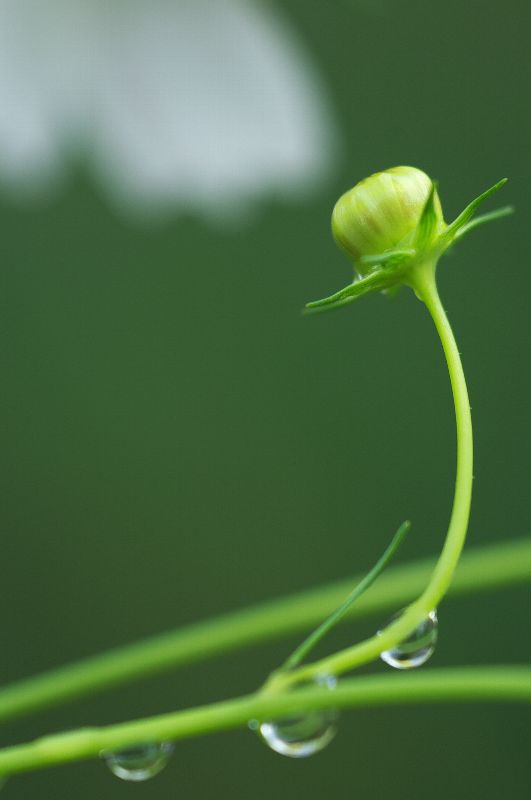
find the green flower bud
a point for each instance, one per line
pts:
(382, 212)
(391, 225)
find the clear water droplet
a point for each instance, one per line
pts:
(139, 762)
(417, 648)
(301, 735)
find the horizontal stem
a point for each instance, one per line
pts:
(466, 684)
(486, 568)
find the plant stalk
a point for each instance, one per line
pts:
(466, 684)
(422, 280)
(483, 569)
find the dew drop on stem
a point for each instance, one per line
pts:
(303, 734)
(417, 648)
(139, 762)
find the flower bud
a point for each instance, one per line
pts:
(382, 212)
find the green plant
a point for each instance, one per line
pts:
(392, 226)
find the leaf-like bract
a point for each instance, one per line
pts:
(499, 213)
(374, 282)
(427, 225)
(467, 214)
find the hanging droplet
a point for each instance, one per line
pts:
(301, 735)
(417, 648)
(140, 762)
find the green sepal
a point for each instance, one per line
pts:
(374, 282)
(499, 213)
(391, 258)
(383, 276)
(427, 227)
(466, 215)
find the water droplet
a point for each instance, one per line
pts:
(417, 648)
(301, 735)
(140, 762)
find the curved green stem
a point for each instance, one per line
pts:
(488, 568)
(442, 576)
(422, 280)
(466, 684)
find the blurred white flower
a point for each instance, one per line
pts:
(176, 104)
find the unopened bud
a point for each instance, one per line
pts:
(382, 212)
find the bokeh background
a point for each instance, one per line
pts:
(178, 440)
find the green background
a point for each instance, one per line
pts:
(180, 441)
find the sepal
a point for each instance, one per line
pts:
(466, 215)
(429, 221)
(386, 270)
(499, 213)
(375, 281)
(389, 259)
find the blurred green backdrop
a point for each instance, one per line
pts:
(179, 440)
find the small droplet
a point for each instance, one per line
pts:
(301, 735)
(417, 648)
(140, 762)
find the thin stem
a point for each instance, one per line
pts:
(455, 539)
(466, 684)
(300, 653)
(423, 282)
(484, 569)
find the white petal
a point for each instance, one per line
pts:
(202, 104)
